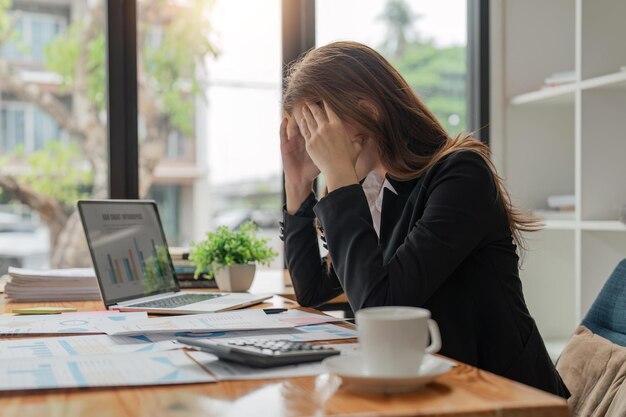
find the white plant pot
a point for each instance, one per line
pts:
(235, 278)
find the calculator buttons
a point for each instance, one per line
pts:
(276, 347)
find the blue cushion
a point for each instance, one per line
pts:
(607, 315)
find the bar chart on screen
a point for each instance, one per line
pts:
(134, 264)
(129, 251)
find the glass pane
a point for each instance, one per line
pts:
(209, 115)
(44, 129)
(424, 40)
(53, 144)
(13, 47)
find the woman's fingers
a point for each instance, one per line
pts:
(318, 114)
(293, 130)
(309, 120)
(304, 129)
(332, 116)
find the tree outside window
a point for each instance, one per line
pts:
(54, 150)
(425, 41)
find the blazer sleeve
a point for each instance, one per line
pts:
(312, 281)
(460, 210)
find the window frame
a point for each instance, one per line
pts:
(123, 136)
(478, 69)
(298, 36)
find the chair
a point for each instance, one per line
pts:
(593, 364)
(607, 315)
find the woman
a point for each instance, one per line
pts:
(431, 225)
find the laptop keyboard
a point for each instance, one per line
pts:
(177, 301)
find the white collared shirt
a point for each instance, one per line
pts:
(374, 187)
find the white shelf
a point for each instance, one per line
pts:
(565, 94)
(590, 225)
(603, 226)
(559, 224)
(567, 139)
(613, 81)
(559, 95)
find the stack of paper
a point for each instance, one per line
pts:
(52, 284)
(140, 359)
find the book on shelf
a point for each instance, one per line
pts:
(197, 283)
(185, 273)
(188, 270)
(179, 253)
(560, 78)
(565, 202)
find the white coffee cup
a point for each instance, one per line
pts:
(393, 339)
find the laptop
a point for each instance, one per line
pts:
(133, 264)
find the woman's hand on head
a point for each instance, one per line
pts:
(329, 145)
(298, 166)
(300, 171)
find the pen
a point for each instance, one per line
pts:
(43, 310)
(274, 310)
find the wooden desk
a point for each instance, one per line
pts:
(465, 391)
(279, 282)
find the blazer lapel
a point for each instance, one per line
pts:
(392, 208)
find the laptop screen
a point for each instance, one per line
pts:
(128, 249)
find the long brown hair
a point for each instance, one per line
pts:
(350, 78)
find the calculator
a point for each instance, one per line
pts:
(262, 353)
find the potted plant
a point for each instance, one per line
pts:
(232, 256)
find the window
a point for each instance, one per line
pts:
(53, 128)
(26, 128)
(13, 128)
(31, 34)
(220, 149)
(425, 40)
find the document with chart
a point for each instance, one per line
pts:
(227, 321)
(50, 347)
(113, 370)
(214, 322)
(64, 323)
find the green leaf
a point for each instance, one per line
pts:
(58, 170)
(225, 247)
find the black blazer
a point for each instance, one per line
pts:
(444, 245)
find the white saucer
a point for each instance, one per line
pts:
(354, 376)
